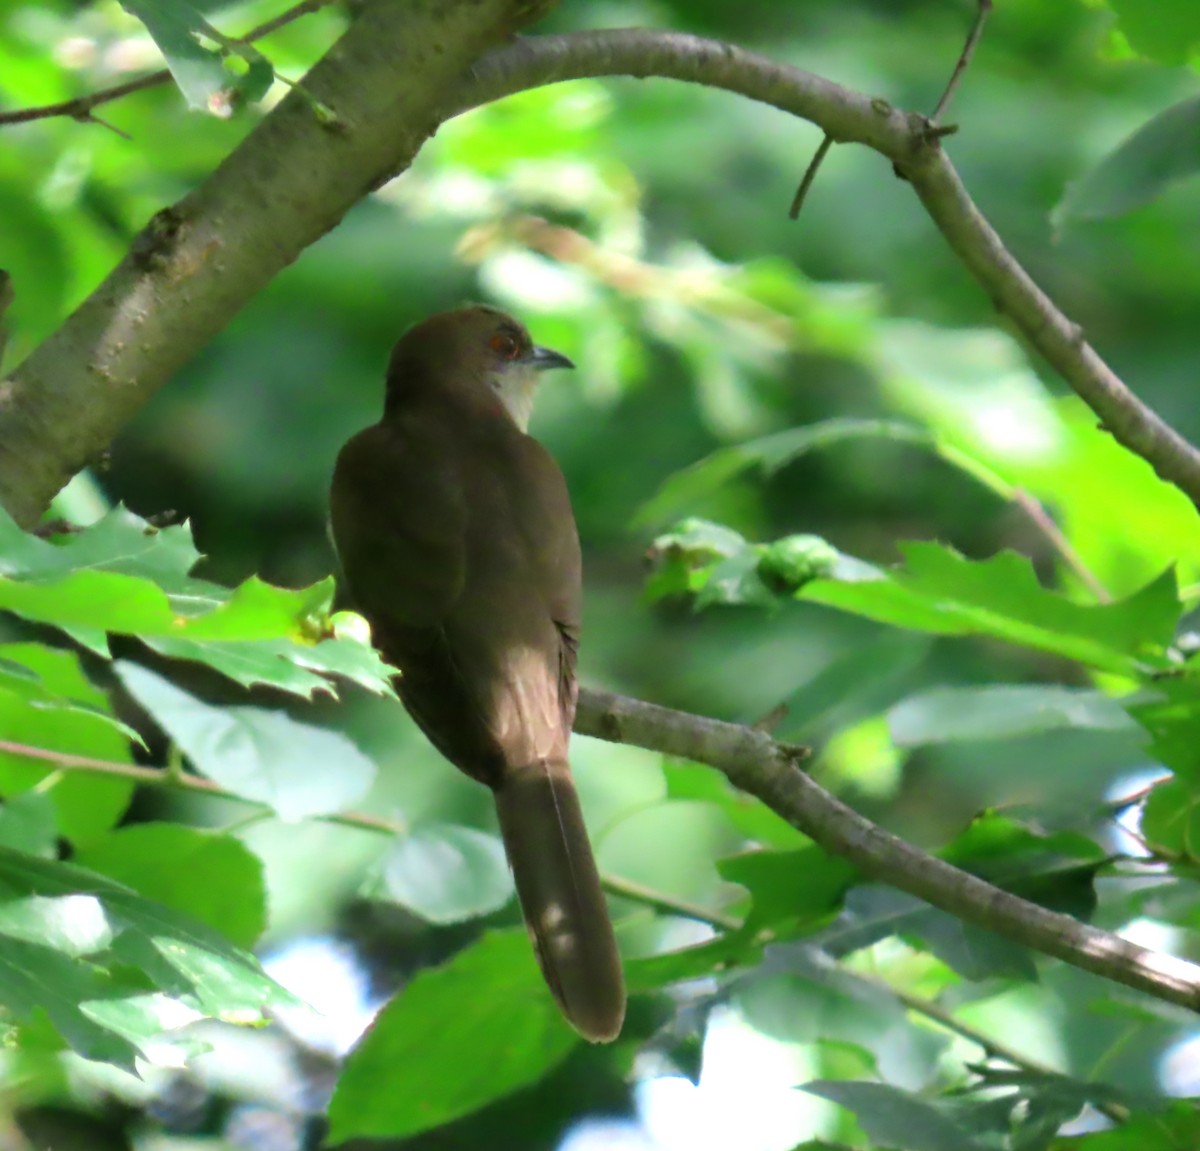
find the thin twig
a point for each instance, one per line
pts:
(81, 107)
(810, 175)
(756, 763)
(1044, 522)
(964, 59)
(361, 820)
(993, 1048)
(668, 904)
(904, 139)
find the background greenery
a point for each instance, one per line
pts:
(642, 229)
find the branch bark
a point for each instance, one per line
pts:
(391, 79)
(910, 142)
(756, 763)
(199, 262)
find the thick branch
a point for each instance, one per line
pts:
(198, 263)
(756, 763)
(906, 140)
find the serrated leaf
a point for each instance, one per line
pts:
(297, 769)
(1163, 151)
(110, 969)
(1171, 819)
(1172, 717)
(489, 1001)
(213, 878)
(447, 874)
(1001, 711)
(790, 890)
(942, 592)
(124, 576)
(894, 1118)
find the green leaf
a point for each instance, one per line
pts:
(1164, 30)
(857, 684)
(1163, 151)
(447, 874)
(1171, 819)
(125, 576)
(1176, 1129)
(1172, 717)
(48, 704)
(456, 1038)
(790, 889)
(200, 72)
(52, 683)
(213, 878)
(942, 592)
(1001, 711)
(753, 818)
(680, 493)
(111, 970)
(873, 913)
(288, 664)
(1057, 871)
(266, 756)
(713, 957)
(894, 1118)
(27, 824)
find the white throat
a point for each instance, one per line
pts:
(516, 388)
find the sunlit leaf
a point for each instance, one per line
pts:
(213, 878)
(176, 27)
(123, 575)
(109, 969)
(942, 592)
(1002, 711)
(298, 769)
(447, 874)
(489, 1001)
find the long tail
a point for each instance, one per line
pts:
(561, 898)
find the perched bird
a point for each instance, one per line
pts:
(456, 537)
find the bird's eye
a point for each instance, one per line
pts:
(504, 344)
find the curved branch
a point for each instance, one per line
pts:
(199, 262)
(756, 763)
(904, 138)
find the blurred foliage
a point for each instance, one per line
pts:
(910, 546)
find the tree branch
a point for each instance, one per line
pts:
(199, 262)
(904, 138)
(756, 763)
(181, 780)
(82, 107)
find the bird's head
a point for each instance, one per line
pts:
(477, 348)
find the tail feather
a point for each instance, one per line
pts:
(561, 898)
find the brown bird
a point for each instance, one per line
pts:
(456, 537)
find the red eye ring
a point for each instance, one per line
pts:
(505, 345)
